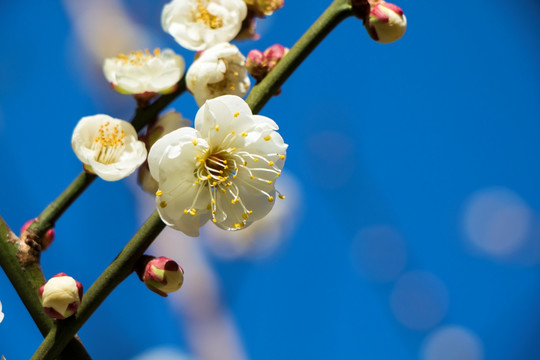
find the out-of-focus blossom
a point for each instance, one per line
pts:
(170, 121)
(161, 275)
(46, 240)
(200, 24)
(224, 169)
(107, 147)
(386, 22)
(142, 72)
(60, 296)
(262, 8)
(1, 313)
(220, 70)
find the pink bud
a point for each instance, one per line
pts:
(256, 64)
(60, 296)
(161, 275)
(274, 54)
(386, 22)
(46, 240)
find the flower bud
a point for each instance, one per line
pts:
(46, 240)
(161, 275)
(256, 64)
(259, 64)
(274, 54)
(386, 22)
(60, 296)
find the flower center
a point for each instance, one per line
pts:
(202, 15)
(230, 80)
(138, 58)
(108, 144)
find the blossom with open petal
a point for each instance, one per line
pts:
(142, 72)
(199, 24)
(224, 169)
(220, 70)
(108, 147)
(1, 313)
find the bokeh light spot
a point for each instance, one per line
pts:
(419, 300)
(497, 221)
(452, 343)
(379, 253)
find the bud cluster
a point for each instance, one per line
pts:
(259, 64)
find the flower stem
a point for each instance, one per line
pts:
(115, 273)
(26, 280)
(333, 15)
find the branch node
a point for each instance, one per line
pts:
(361, 9)
(29, 248)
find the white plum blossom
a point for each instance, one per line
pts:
(200, 24)
(220, 70)
(142, 72)
(224, 169)
(108, 147)
(1, 313)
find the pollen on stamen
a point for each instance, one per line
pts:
(282, 157)
(159, 193)
(270, 163)
(245, 216)
(195, 142)
(163, 204)
(267, 138)
(244, 134)
(281, 196)
(239, 225)
(270, 198)
(236, 114)
(216, 127)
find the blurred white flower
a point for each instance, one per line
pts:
(200, 24)
(142, 72)
(223, 170)
(220, 70)
(108, 147)
(166, 123)
(1, 313)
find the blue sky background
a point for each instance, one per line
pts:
(417, 230)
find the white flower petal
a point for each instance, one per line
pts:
(108, 146)
(224, 169)
(200, 24)
(220, 70)
(142, 72)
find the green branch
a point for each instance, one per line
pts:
(122, 266)
(333, 15)
(115, 273)
(27, 280)
(142, 117)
